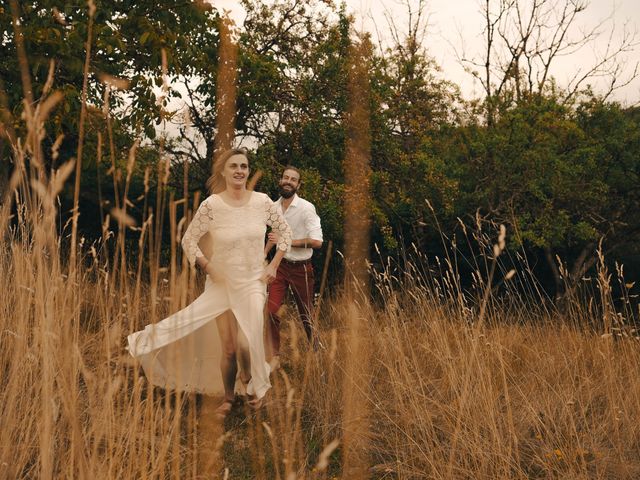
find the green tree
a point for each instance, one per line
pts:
(413, 108)
(556, 178)
(128, 42)
(292, 95)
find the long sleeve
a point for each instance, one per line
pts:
(200, 225)
(276, 221)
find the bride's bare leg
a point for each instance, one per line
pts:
(235, 349)
(244, 356)
(228, 331)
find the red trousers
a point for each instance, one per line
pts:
(298, 276)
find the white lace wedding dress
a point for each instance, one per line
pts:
(183, 351)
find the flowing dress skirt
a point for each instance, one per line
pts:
(183, 351)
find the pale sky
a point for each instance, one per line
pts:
(453, 24)
(457, 24)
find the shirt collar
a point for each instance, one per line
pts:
(293, 203)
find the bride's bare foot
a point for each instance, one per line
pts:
(255, 403)
(224, 408)
(274, 363)
(252, 401)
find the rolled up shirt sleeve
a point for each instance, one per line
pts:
(312, 224)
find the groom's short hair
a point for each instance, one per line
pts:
(291, 167)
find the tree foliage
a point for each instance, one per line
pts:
(558, 166)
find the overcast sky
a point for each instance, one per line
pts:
(457, 24)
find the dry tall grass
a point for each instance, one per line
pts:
(459, 386)
(519, 397)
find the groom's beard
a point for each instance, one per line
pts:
(287, 193)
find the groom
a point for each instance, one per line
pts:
(295, 270)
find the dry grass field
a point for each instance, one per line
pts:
(419, 385)
(427, 381)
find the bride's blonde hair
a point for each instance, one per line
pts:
(216, 183)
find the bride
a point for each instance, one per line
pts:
(224, 325)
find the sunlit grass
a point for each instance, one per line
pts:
(434, 380)
(521, 397)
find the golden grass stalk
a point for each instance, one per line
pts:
(226, 94)
(83, 115)
(357, 225)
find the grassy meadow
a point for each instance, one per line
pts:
(423, 383)
(428, 381)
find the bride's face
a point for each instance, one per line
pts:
(236, 171)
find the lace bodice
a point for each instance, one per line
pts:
(237, 233)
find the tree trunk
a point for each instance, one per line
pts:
(557, 277)
(581, 264)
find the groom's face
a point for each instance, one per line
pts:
(289, 183)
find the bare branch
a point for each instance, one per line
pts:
(524, 40)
